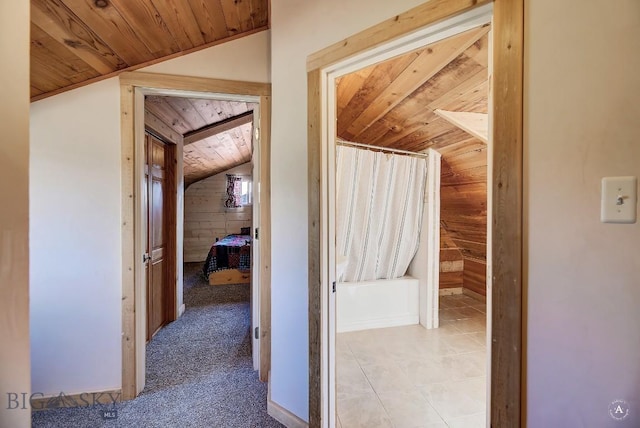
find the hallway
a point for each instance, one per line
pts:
(199, 370)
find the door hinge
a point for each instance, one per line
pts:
(256, 233)
(333, 288)
(257, 336)
(257, 132)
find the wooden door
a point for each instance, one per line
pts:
(158, 290)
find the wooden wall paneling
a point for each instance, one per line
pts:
(107, 22)
(54, 18)
(469, 159)
(460, 90)
(181, 22)
(475, 276)
(468, 144)
(205, 216)
(472, 249)
(451, 262)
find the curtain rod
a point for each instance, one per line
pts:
(382, 149)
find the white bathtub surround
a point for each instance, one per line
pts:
(379, 203)
(376, 304)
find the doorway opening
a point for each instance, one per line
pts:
(412, 172)
(502, 140)
(165, 107)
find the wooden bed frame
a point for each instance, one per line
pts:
(230, 276)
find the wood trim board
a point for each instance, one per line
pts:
(508, 380)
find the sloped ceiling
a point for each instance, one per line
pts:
(393, 104)
(217, 134)
(75, 42)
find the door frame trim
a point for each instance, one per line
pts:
(508, 290)
(132, 86)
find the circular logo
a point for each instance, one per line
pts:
(619, 410)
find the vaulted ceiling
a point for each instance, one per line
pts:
(217, 134)
(75, 42)
(435, 97)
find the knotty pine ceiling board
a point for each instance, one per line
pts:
(408, 122)
(213, 154)
(75, 42)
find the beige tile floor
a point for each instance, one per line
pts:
(411, 377)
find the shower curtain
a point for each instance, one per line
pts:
(379, 204)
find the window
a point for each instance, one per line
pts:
(245, 191)
(238, 191)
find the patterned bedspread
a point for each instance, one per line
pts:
(231, 252)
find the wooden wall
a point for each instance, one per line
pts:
(205, 216)
(451, 262)
(464, 208)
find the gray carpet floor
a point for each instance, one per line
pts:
(199, 370)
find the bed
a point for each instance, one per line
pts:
(229, 261)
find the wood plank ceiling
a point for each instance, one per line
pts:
(217, 134)
(75, 42)
(412, 102)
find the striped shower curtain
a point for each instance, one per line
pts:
(379, 206)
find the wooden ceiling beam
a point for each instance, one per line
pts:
(218, 127)
(426, 65)
(476, 124)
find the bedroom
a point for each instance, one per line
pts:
(218, 149)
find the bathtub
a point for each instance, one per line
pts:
(377, 304)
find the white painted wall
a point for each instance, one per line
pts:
(14, 214)
(75, 220)
(299, 28)
(581, 124)
(75, 241)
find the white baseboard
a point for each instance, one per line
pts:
(181, 310)
(281, 414)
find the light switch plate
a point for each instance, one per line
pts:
(619, 200)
